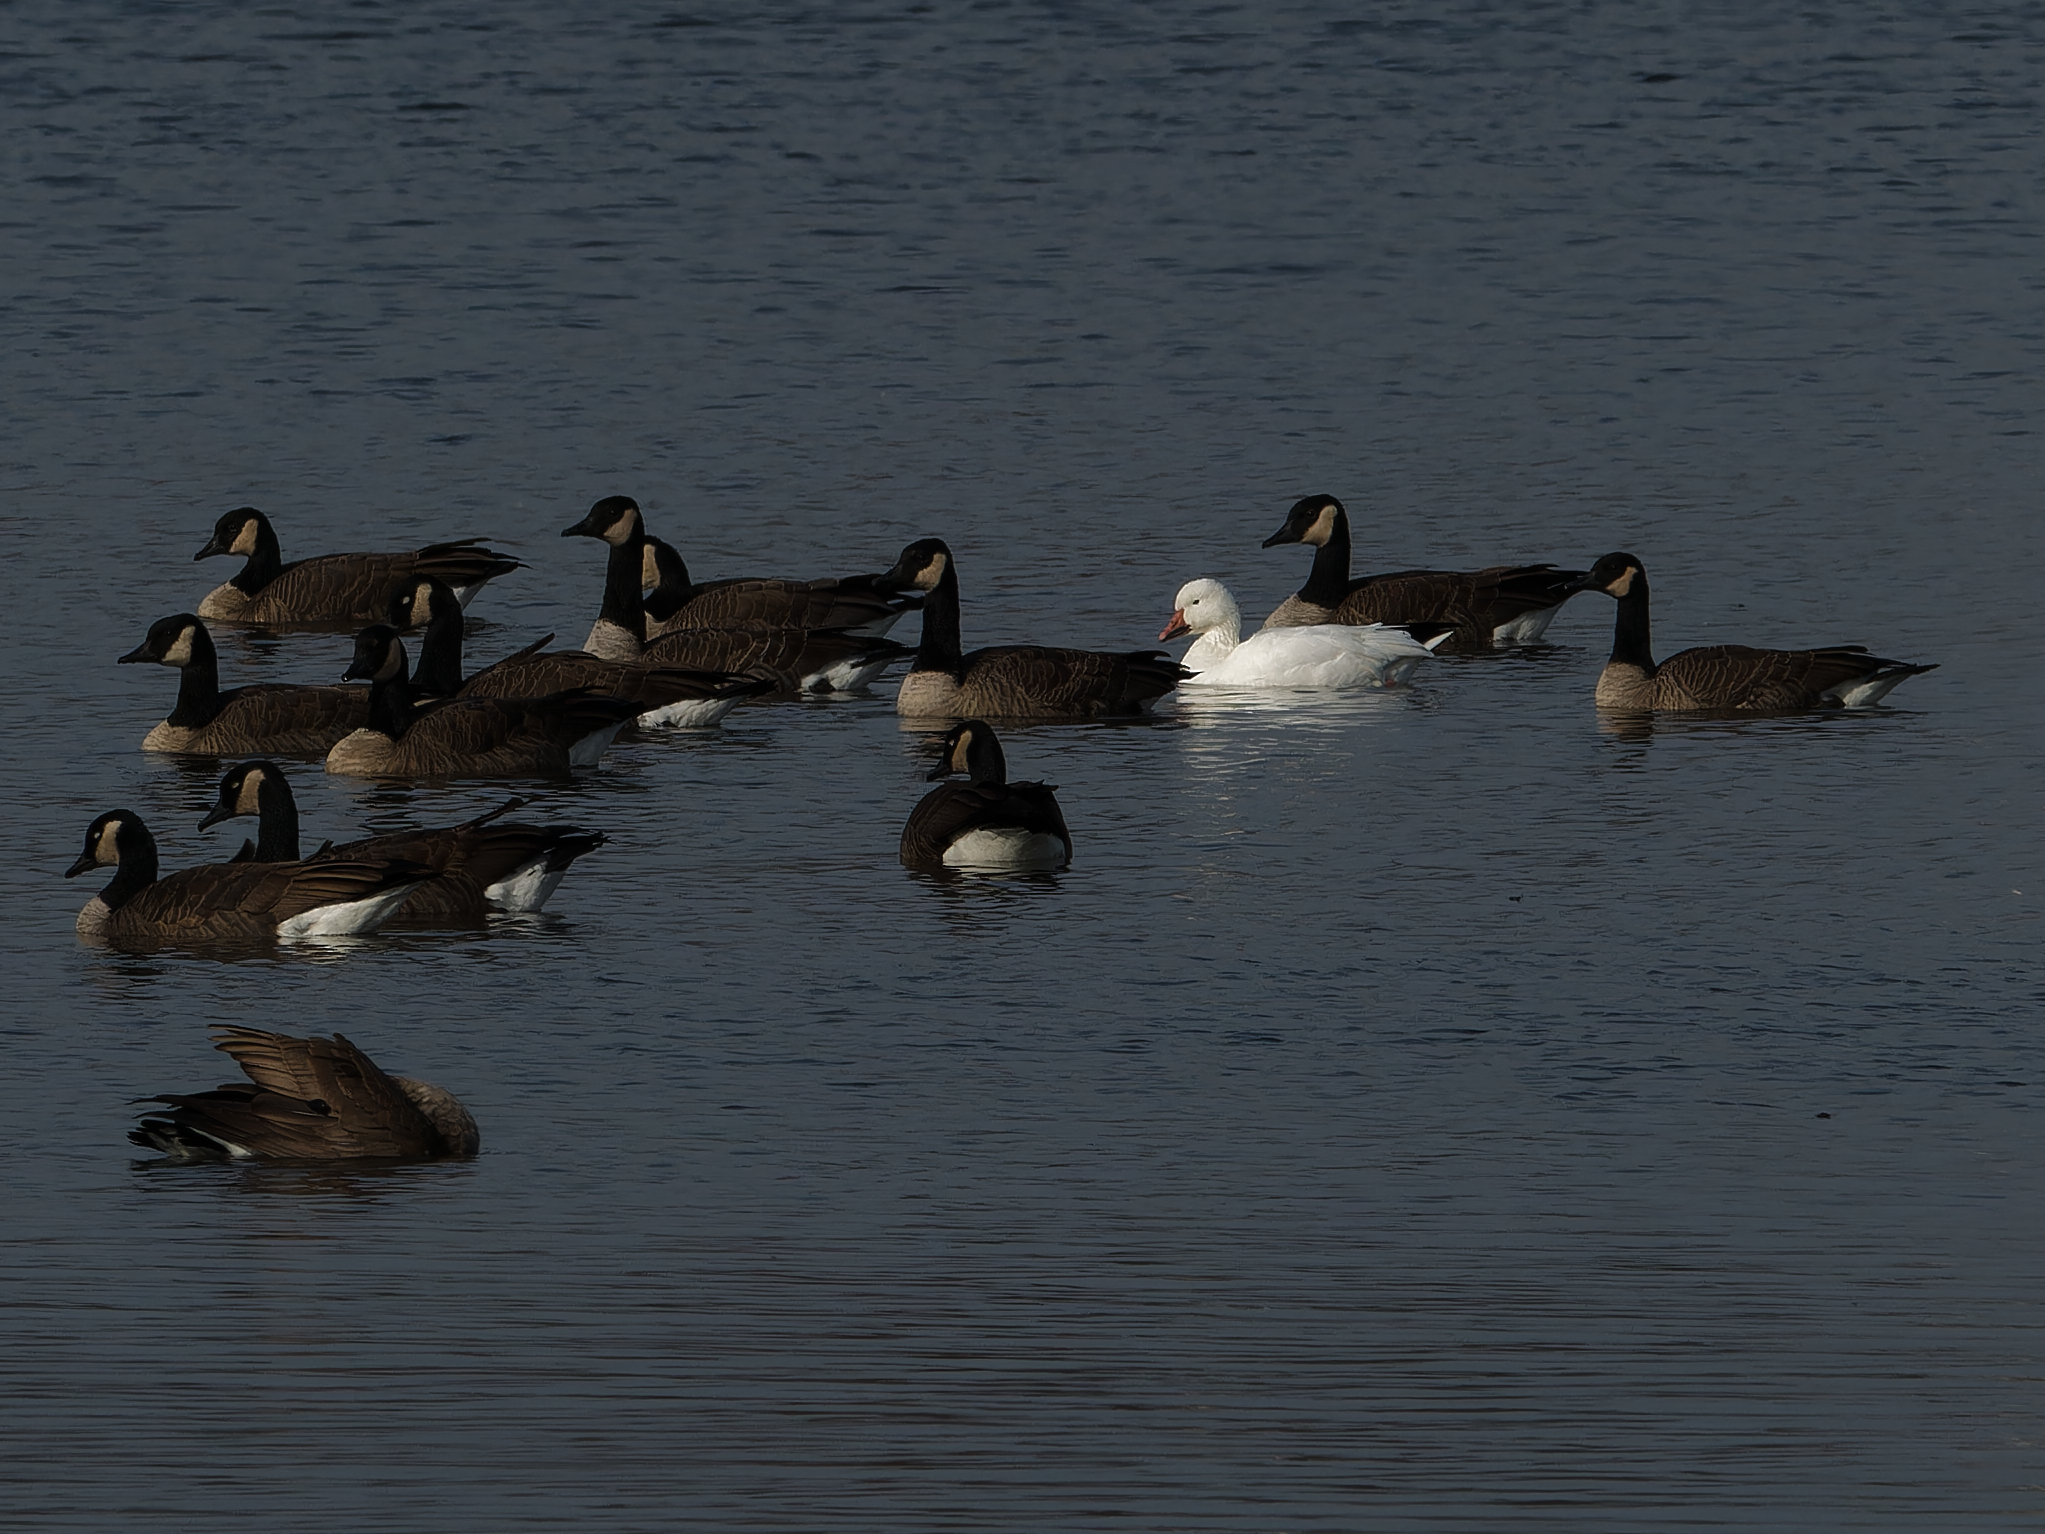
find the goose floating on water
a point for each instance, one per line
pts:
(1321, 655)
(310, 1099)
(330, 588)
(987, 822)
(482, 863)
(340, 897)
(1502, 604)
(266, 716)
(1728, 676)
(1013, 681)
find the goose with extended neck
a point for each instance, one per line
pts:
(266, 716)
(1501, 604)
(1725, 677)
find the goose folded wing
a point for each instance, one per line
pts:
(366, 1106)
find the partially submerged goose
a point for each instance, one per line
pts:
(987, 822)
(230, 901)
(1727, 676)
(468, 737)
(1501, 604)
(859, 604)
(310, 1099)
(796, 659)
(1324, 655)
(1013, 681)
(290, 720)
(331, 588)
(482, 863)
(667, 695)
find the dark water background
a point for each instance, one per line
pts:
(1410, 1110)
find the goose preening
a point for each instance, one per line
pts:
(339, 897)
(310, 1099)
(1323, 655)
(1726, 676)
(797, 659)
(482, 863)
(331, 588)
(468, 737)
(859, 604)
(290, 720)
(1502, 604)
(667, 695)
(1013, 681)
(987, 822)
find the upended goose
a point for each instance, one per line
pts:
(1502, 604)
(988, 822)
(482, 863)
(1726, 676)
(339, 897)
(267, 716)
(677, 696)
(331, 588)
(310, 1099)
(468, 737)
(1013, 681)
(797, 659)
(1323, 655)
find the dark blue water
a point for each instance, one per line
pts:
(1442, 1109)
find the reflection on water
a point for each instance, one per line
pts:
(359, 1182)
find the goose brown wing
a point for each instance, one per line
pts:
(530, 675)
(784, 654)
(782, 604)
(952, 810)
(1022, 680)
(356, 588)
(291, 720)
(366, 1108)
(469, 728)
(1738, 676)
(478, 853)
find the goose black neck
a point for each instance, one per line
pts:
(674, 590)
(198, 683)
(262, 566)
(938, 650)
(276, 820)
(390, 702)
(1328, 581)
(440, 647)
(985, 761)
(624, 606)
(1632, 643)
(136, 872)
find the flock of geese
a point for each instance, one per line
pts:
(668, 651)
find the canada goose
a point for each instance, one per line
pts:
(290, 720)
(1013, 681)
(859, 604)
(1725, 676)
(667, 695)
(487, 861)
(988, 822)
(1502, 604)
(235, 901)
(1323, 655)
(467, 737)
(798, 660)
(332, 588)
(309, 1099)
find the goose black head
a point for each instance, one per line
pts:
(240, 792)
(175, 641)
(1310, 521)
(106, 839)
(973, 748)
(921, 566)
(237, 532)
(379, 655)
(418, 601)
(1614, 575)
(614, 519)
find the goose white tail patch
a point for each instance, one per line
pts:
(348, 918)
(527, 888)
(586, 751)
(1527, 628)
(1865, 693)
(846, 675)
(694, 714)
(1005, 847)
